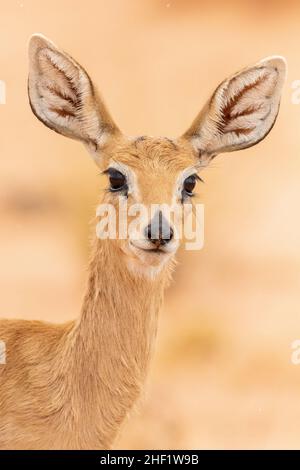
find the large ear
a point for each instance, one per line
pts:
(63, 97)
(242, 110)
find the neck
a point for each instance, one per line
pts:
(112, 341)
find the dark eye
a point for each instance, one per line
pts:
(189, 185)
(117, 180)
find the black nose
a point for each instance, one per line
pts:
(159, 231)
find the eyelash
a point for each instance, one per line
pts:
(121, 190)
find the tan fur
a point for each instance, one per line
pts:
(71, 386)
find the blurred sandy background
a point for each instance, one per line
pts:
(222, 375)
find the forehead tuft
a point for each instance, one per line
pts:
(149, 152)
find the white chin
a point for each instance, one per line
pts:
(150, 257)
(147, 262)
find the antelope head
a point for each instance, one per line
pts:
(146, 170)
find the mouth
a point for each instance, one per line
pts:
(159, 250)
(153, 250)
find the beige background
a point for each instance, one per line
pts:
(222, 375)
